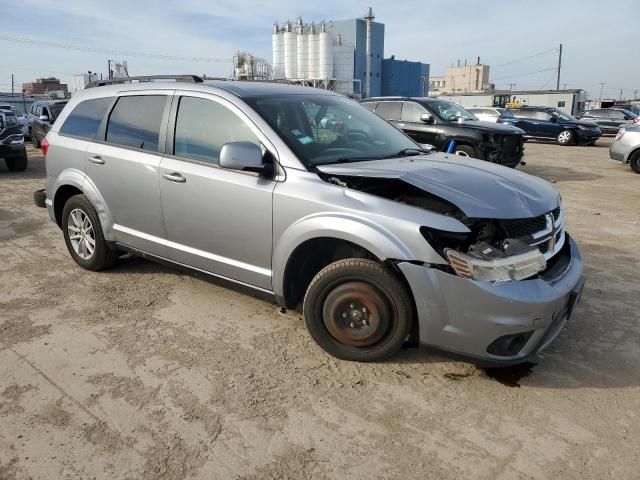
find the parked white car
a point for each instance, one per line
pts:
(486, 114)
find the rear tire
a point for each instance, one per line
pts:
(83, 235)
(565, 137)
(465, 151)
(634, 162)
(19, 163)
(356, 309)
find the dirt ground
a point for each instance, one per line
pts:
(147, 372)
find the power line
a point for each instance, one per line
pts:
(525, 58)
(524, 74)
(67, 46)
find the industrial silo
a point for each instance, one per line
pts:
(312, 53)
(343, 56)
(302, 51)
(277, 41)
(290, 52)
(325, 53)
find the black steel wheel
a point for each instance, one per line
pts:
(357, 309)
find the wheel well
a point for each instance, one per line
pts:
(633, 154)
(312, 256)
(63, 194)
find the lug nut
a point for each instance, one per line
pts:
(351, 306)
(364, 309)
(344, 315)
(352, 324)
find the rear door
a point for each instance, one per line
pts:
(123, 164)
(217, 220)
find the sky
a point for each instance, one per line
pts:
(515, 37)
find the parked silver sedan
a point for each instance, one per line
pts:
(626, 147)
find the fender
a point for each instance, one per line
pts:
(358, 230)
(78, 179)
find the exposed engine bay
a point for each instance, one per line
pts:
(492, 243)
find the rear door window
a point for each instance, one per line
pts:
(389, 110)
(370, 105)
(85, 118)
(135, 122)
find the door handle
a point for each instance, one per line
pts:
(174, 177)
(97, 159)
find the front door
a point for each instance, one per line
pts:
(418, 130)
(217, 220)
(123, 164)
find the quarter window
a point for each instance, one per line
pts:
(389, 110)
(135, 122)
(204, 126)
(85, 118)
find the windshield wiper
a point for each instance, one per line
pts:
(407, 152)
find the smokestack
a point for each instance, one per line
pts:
(367, 79)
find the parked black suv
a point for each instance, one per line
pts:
(12, 142)
(438, 122)
(41, 116)
(551, 123)
(610, 120)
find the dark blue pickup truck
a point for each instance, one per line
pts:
(551, 124)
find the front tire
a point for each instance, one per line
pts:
(565, 137)
(634, 162)
(356, 309)
(465, 151)
(19, 163)
(83, 235)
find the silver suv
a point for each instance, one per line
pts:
(381, 241)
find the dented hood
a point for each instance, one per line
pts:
(480, 189)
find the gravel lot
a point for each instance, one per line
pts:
(147, 372)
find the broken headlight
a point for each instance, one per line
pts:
(514, 267)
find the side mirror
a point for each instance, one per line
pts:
(553, 120)
(426, 118)
(244, 156)
(44, 118)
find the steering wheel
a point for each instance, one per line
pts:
(356, 135)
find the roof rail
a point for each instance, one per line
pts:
(145, 78)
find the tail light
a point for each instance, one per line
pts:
(620, 134)
(44, 146)
(636, 121)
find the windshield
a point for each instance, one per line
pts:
(55, 109)
(450, 112)
(561, 115)
(323, 129)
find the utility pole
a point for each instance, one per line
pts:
(564, 86)
(511, 85)
(635, 94)
(12, 84)
(621, 94)
(602, 84)
(559, 67)
(367, 80)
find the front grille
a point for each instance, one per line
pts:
(511, 146)
(556, 214)
(522, 227)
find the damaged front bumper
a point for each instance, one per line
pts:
(495, 323)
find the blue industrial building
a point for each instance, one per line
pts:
(388, 76)
(404, 78)
(354, 32)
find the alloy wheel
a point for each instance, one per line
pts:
(81, 234)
